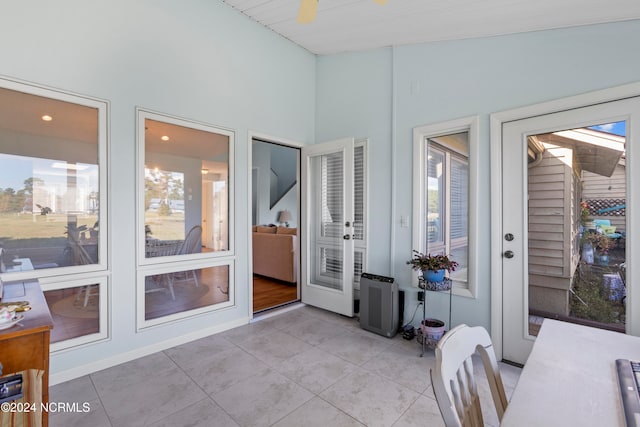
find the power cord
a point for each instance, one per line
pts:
(408, 331)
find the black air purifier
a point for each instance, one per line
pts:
(379, 304)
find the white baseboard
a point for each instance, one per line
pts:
(89, 368)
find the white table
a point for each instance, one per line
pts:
(570, 378)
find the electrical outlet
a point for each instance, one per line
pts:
(420, 295)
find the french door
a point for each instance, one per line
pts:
(328, 221)
(545, 162)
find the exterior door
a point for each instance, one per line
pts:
(327, 224)
(542, 230)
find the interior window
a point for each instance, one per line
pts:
(186, 191)
(445, 173)
(186, 261)
(447, 199)
(51, 201)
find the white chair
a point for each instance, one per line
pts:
(190, 245)
(453, 379)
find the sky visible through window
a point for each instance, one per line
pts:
(617, 128)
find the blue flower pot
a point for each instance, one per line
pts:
(433, 276)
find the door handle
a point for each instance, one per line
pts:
(347, 237)
(508, 254)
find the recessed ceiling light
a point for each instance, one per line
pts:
(47, 118)
(164, 138)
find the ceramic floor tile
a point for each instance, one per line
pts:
(94, 417)
(370, 398)
(315, 331)
(402, 365)
(221, 370)
(201, 349)
(315, 369)
(245, 332)
(423, 412)
(262, 399)
(355, 348)
(204, 413)
(274, 348)
(285, 320)
(145, 390)
(79, 390)
(345, 322)
(318, 413)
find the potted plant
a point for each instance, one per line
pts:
(585, 219)
(601, 243)
(432, 266)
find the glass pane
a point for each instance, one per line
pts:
(577, 226)
(180, 291)
(75, 311)
(186, 190)
(49, 181)
(435, 199)
(327, 222)
(358, 193)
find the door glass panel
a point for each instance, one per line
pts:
(577, 226)
(327, 221)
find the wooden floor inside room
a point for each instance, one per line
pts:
(269, 293)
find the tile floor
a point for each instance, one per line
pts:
(305, 367)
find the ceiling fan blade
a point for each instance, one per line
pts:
(308, 10)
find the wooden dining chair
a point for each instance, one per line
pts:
(453, 380)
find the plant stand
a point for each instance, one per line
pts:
(445, 286)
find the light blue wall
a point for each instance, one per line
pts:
(196, 59)
(201, 60)
(354, 99)
(387, 92)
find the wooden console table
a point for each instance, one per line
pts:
(26, 344)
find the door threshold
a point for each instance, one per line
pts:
(274, 311)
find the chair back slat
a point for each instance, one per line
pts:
(453, 378)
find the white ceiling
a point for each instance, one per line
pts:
(349, 25)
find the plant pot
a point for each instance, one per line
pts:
(432, 330)
(587, 253)
(602, 259)
(433, 276)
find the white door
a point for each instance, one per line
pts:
(519, 205)
(327, 224)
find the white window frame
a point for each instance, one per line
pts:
(102, 108)
(104, 330)
(143, 324)
(420, 136)
(360, 245)
(169, 264)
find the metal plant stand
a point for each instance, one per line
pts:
(444, 286)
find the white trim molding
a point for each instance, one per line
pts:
(496, 123)
(420, 134)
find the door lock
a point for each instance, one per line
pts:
(508, 237)
(508, 254)
(347, 237)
